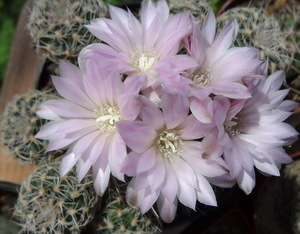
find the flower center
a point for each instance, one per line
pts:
(144, 62)
(169, 144)
(201, 77)
(233, 127)
(106, 118)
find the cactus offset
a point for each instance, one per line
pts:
(57, 26)
(19, 124)
(48, 203)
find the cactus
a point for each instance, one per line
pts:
(262, 31)
(119, 218)
(198, 8)
(288, 15)
(50, 204)
(57, 26)
(19, 124)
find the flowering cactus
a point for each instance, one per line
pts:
(48, 203)
(57, 27)
(19, 125)
(174, 123)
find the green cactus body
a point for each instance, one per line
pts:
(48, 203)
(119, 218)
(57, 26)
(19, 124)
(262, 31)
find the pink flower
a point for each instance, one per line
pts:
(141, 49)
(166, 163)
(85, 121)
(221, 67)
(250, 132)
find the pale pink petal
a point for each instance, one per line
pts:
(157, 174)
(63, 140)
(131, 194)
(170, 188)
(186, 194)
(205, 194)
(44, 112)
(82, 168)
(224, 40)
(182, 169)
(209, 26)
(202, 109)
(137, 163)
(171, 33)
(63, 108)
(162, 11)
(95, 150)
(112, 33)
(278, 154)
(146, 202)
(151, 115)
(266, 166)
(130, 106)
(175, 109)
(137, 135)
(101, 171)
(166, 208)
(193, 156)
(246, 180)
(47, 130)
(148, 14)
(117, 153)
(70, 91)
(67, 163)
(70, 71)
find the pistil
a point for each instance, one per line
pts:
(106, 118)
(169, 144)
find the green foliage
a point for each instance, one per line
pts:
(216, 5)
(6, 34)
(114, 2)
(9, 11)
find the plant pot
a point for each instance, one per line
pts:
(8, 198)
